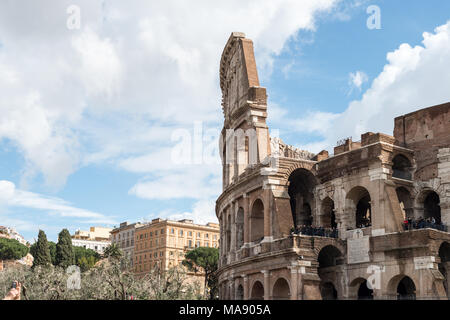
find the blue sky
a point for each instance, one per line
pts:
(91, 116)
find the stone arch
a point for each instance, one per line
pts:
(327, 214)
(402, 287)
(228, 232)
(406, 202)
(328, 291)
(239, 228)
(360, 290)
(240, 292)
(444, 265)
(401, 167)
(257, 292)
(281, 289)
(302, 183)
(329, 258)
(299, 165)
(427, 205)
(257, 221)
(358, 208)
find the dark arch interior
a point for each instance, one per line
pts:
(257, 291)
(406, 289)
(432, 208)
(364, 293)
(281, 290)
(401, 167)
(301, 186)
(328, 291)
(329, 256)
(240, 293)
(257, 221)
(328, 216)
(364, 212)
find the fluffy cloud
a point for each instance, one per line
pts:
(357, 79)
(145, 63)
(413, 78)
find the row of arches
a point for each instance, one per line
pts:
(401, 287)
(357, 210)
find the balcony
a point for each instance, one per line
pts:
(423, 224)
(316, 232)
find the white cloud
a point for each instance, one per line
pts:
(74, 97)
(412, 79)
(10, 196)
(357, 79)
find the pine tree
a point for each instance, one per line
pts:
(64, 252)
(42, 256)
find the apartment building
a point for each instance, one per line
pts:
(162, 244)
(97, 238)
(123, 237)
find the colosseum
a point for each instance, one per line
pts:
(368, 222)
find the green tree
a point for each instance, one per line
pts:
(42, 251)
(64, 251)
(204, 259)
(11, 249)
(85, 258)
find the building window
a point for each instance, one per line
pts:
(207, 235)
(162, 231)
(190, 243)
(172, 231)
(190, 234)
(197, 244)
(199, 234)
(181, 233)
(156, 232)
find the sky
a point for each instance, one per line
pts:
(110, 111)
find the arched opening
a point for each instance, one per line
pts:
(444, 265)
(257, 221)
(406, 289)
(359, 208)
(329, 258)
(257, 291)
(281, 290)
(301, 187)
(240, 293)
(432, 209)
(240, 228)
(364, 292)
(328, 291)
(401, 167)
(406, 203)
(328, 215)
(229, 233)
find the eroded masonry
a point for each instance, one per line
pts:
(369, 222)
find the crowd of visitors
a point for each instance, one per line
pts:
(316, 231)
(421, 223)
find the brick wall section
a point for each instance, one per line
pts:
(425, 131)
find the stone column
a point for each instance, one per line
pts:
(231, 284)
(266, 284)
(267, 214)
(233, 225)
(294, 282)
(246, 291)
(246, 219)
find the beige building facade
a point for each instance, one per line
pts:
(97, 239)
(162, 244)
(123, 237)
(368, 222)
